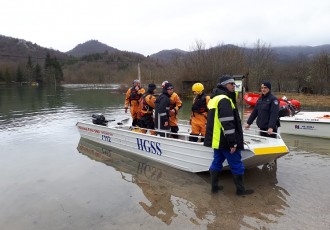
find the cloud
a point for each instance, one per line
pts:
(149, 26)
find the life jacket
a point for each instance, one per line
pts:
(145, 107)
(134, 94)
(199, 105)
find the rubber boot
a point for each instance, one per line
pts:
(214, 181)
(174, 129)
(240, 189)
(193, 137)
(135, 122)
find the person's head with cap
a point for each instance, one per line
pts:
(266, 87)
(168, 88)
(228, 82)
(151, 87)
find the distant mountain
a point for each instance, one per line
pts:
(169, 55)
(289, 53)
(14, 49)
(283, 53)
(91, 47)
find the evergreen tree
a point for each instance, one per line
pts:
(53, 70)
(29, 70)
(1, 76)
(38, 74)
(7, 75)
(19, 74)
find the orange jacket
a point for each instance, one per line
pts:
(147, 104)
(175, 104)
(132, 100)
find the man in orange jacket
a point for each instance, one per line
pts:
(199, 110)
(175, 105)
(147, 106)
(133, 96)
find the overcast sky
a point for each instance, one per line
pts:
(149, 26)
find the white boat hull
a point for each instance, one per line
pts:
(179, 153)
(312, 124)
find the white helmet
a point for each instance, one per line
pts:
(163, 84)
(136, 81)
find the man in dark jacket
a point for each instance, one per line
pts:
(266, 111)
(162, 110)
(225, 135)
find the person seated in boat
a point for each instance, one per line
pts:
(266, 111)
(175, 105)
(225, 135)
(162, 110)
(147, 105)
(199, 110)
(133, 96)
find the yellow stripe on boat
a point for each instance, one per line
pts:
(270, 150)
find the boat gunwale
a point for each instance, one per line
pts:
(293, 119)
(180, 163)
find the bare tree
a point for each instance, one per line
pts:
(196, 62)
(320, 73)
(261, 63)
(208, 64)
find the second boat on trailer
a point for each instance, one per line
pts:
(179, 153)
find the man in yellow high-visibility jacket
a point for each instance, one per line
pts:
(224, 134)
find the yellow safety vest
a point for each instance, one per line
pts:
(217, 127)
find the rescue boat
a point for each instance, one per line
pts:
(178, 153)
(252, 98)
(305, 123)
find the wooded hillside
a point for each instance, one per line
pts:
(290, 69)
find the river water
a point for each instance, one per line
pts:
(52, 179)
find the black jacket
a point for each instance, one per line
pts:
(266, 111)
(162, 106)
(225, 110)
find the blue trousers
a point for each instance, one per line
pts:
(234, 161)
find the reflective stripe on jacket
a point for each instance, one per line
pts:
(217, 126)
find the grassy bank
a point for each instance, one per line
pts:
(307, 99)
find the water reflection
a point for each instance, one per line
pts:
(166, 189)
(307, 144)
(37, 106)
(172, 193)
(39, 119)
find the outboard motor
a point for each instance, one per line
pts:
(99, 119)
(284, 111)
(288, 108)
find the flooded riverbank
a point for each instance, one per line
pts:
(52, 179)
